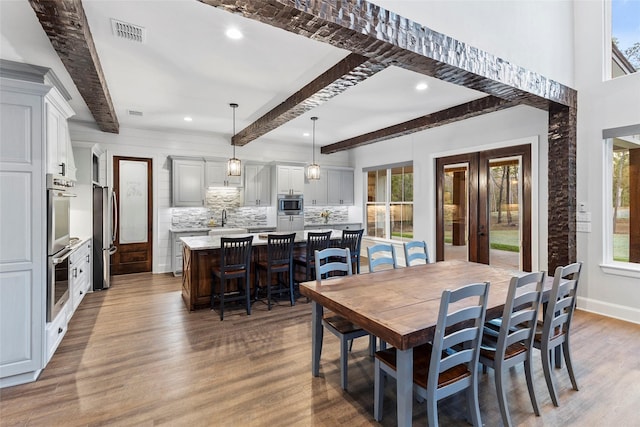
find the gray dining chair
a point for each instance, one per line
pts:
(553, 333)
(440, 371)
(416, 252)
(329, 263)
(512, 343)
(380, 255)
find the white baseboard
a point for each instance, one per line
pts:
(19, 379)
(628, 314)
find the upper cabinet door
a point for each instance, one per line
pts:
(216, 175)
(187, 183)
(290, 179)
(340, 187)
(257, 188)
(59, 153)
(315, 190)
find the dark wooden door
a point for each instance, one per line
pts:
(132, 186)
(480, 218)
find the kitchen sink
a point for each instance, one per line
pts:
(220, 231)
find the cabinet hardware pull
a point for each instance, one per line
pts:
(63, 168)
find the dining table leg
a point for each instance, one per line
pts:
(316, 337)
(404, 386)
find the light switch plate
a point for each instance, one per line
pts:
(583, 216)
(583, 227)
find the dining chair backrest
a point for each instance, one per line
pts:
(520, 313)
(235, 253)
(280, 249)
(382, 254)
(416, 252)
(461, 328)
(352, 239)
(331, 261)
(562, 301)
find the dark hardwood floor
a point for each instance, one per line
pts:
(133, 355)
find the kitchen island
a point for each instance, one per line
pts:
(200, 253)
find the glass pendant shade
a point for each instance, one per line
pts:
(234, 166)
(313, 170)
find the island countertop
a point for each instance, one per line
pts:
(196, 243)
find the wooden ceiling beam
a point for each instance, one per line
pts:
(66, 25)
(350, 71)
(369, 30)
(487, 104)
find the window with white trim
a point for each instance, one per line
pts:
(623, 182)
(389, 202)
(625, 37)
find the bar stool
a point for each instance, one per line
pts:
(279, 261)
(316, 241)
(235, 263)
(352, 239)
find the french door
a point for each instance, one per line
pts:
(484, 207)
(132, 186)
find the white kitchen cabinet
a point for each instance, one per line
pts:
(79, 275)
(216, 175)
(187, 176)
(176, 248)
(316, 190)
(60, 160)
(257, 186)
(340, 187)
(289, 179)
(290, 223)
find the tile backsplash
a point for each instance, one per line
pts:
(239, 216)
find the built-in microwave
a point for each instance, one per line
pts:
(290, 205)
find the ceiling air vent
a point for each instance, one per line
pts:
(123, 30)
(134, 113)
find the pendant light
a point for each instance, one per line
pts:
(234, 167)
(313, 171)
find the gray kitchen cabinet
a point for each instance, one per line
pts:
(289, 179)
(216, 175)
(316, 190)
(340, 187)
(176, 248)
(187, 176)
(60, 160)
(290, 223)
(257, 186)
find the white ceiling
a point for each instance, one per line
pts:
(188, 67)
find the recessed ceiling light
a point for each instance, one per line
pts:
(188, 119)
(234, 33)
(421, 86)
(305, 134)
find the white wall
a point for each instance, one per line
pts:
(516, 126)
(602, 104)
(159, 145)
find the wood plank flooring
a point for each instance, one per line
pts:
(133, 355)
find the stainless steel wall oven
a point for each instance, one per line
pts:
(58, 236)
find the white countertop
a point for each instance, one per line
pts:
(207, 242)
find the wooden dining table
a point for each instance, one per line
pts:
(400, 306)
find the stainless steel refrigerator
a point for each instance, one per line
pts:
(105, 222)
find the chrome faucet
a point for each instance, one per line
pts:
(224, 217)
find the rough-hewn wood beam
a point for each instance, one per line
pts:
(66, 25)
(348, 72)
(369, 30)
(474, 108)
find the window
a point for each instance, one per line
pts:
(389, 205)
(625, 37)
(623, 223)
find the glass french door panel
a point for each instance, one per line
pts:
(133, 210)
(505, 217)
(456, 212)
